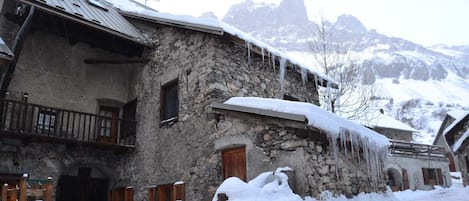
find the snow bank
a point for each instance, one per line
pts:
(273, 186)
(268, 186)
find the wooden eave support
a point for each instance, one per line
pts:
(116, 61)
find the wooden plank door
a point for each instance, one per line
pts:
(405, 179)
(234, 163)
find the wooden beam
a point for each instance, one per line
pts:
(116, 61)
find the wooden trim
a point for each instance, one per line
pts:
(116, 61)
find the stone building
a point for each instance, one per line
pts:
(453, 133)
(109, 114)
(390, 127)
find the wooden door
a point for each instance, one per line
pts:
(234, 163)
(165, 192)
(108, 124)
(405, 179)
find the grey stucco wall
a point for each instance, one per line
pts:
(52, 71)
(395, 134)
(414, 170)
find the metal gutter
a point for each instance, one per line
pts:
(257, 111)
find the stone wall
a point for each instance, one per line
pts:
(42, 160)
(308, 152)
(211, 68)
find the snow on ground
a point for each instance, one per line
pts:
(273, 186)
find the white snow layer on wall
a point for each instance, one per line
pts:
(374, 145)
(132, 7)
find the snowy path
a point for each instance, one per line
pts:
(455, 193)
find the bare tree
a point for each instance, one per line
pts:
(353, 99)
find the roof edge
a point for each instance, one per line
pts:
(269, 113)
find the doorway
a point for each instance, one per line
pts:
(82, 187)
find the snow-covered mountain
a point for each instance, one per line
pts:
(415, 84)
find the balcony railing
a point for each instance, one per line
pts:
(414, 150)
(38, 122)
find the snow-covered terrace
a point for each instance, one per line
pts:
(214, 26)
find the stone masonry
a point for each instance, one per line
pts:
(211, 68)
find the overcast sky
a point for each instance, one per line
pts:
(427, 22)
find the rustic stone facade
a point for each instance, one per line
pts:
(211, 68)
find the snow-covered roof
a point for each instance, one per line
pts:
(385, 121)
(455, 114)
(5, 52)
(214, 26)
(460, 141)
(456, 122)
(317, 117)
(92, 13)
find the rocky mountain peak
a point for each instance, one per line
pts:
(350, 24)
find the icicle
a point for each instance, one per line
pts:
(249, 51)
(263, 54)
(283, 63)
(329, 97)
(273, 61)
(337, 100)
(304, 75)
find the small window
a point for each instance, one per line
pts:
(432, 176)
(290, 98)
(169, 103)
(467, 162)
(46, 120)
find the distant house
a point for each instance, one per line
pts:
(410, 165)
(117, 105)
(390, 127)
(453, 134)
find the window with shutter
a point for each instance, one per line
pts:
(169, 103)
(179, 191)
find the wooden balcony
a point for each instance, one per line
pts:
(414, 150)
(33, 122)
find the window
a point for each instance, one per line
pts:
(108, 124)
(234, 163)
(432, 176)
(46, 120)
(169, 104)
(467, 162)
(167, 192)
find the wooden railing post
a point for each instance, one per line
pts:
(4, 192)
(48, 192)
(23, 187)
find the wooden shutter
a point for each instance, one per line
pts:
(129, 194)
(152, 193)
(165, 192)
(234, 163)
(439, 176)
(425, 176)
(179, 192)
